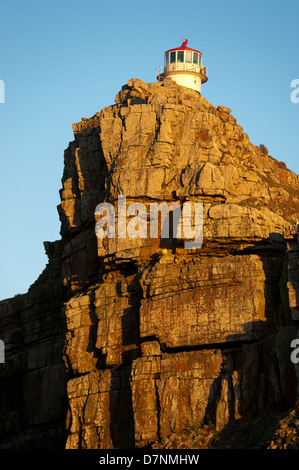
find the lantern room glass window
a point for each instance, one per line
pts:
(180, 56)
(200, 57)
(195, 58)
(172, 57)
(167, 58)
(188, 56)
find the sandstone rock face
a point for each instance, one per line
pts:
(158, 338)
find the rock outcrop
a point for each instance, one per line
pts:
(156, 338)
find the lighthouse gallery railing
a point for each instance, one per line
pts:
(178, 67)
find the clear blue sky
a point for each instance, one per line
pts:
(67, 59)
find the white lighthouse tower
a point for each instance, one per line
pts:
(184, 66)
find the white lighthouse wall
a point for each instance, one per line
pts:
(188, 80)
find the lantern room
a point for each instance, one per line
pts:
(184, 66)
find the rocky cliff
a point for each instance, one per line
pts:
(124, 342)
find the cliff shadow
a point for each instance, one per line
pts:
(122, 428)
(92, 336)
(121, 408)
(169, 227)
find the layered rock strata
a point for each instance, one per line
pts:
(159, 338)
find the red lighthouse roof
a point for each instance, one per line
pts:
(183, 47)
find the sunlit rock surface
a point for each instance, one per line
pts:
(125, 342)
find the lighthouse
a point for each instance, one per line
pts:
(184, 66)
